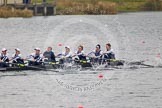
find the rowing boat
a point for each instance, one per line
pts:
(77, 65)
(21, 68)
(47, 66)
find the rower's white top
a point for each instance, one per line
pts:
(30, 57)
(81, 53)
(13, 55)
(110, 51)
(4, 55)
(64, 54)
(101, 52)
(33, 54)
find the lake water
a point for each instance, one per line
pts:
(134, 37)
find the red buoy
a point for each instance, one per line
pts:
(158, 55)
(80, 106)
(59, 44)
(100, 76)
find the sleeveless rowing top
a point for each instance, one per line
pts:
(98, 53)
(37, 57)
(17, 58)
(110, 54)
(4, 58)
(50, 55)
(81, 56)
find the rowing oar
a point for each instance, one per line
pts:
(147, 65)
(59, 55)
(17, 64)
(140, 63)
(129, 63)
(23, 65)
(83, 54)
(88, 55)
(34, 67)
(43, 68)
(52, 63)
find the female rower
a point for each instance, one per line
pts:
(109, 53)
(80, 53)
(16, 57)
(36, 58)
(4, 58)
(97, 53)
(66, 56)
(49, 55)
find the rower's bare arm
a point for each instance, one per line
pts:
(10, 59)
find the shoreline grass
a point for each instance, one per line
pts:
(73, 7)
(89, 7)
(103, 7)
(67, 6)
(6, 12)
(95, 7)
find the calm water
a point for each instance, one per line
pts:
(134, 37)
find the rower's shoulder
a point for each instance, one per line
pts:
(112, 50)
(82, 51)
(71, 52)
(13, 55)
(7, 55)
(101, 52)
(45, 52)
(41, 54)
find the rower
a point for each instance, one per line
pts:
(49, 55)
(66, 56)
(36, 58)
(80, 53)
(98, 53)
(16, 57)
(4, 58)
(109, 53)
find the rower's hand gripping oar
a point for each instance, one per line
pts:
(18, 64)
